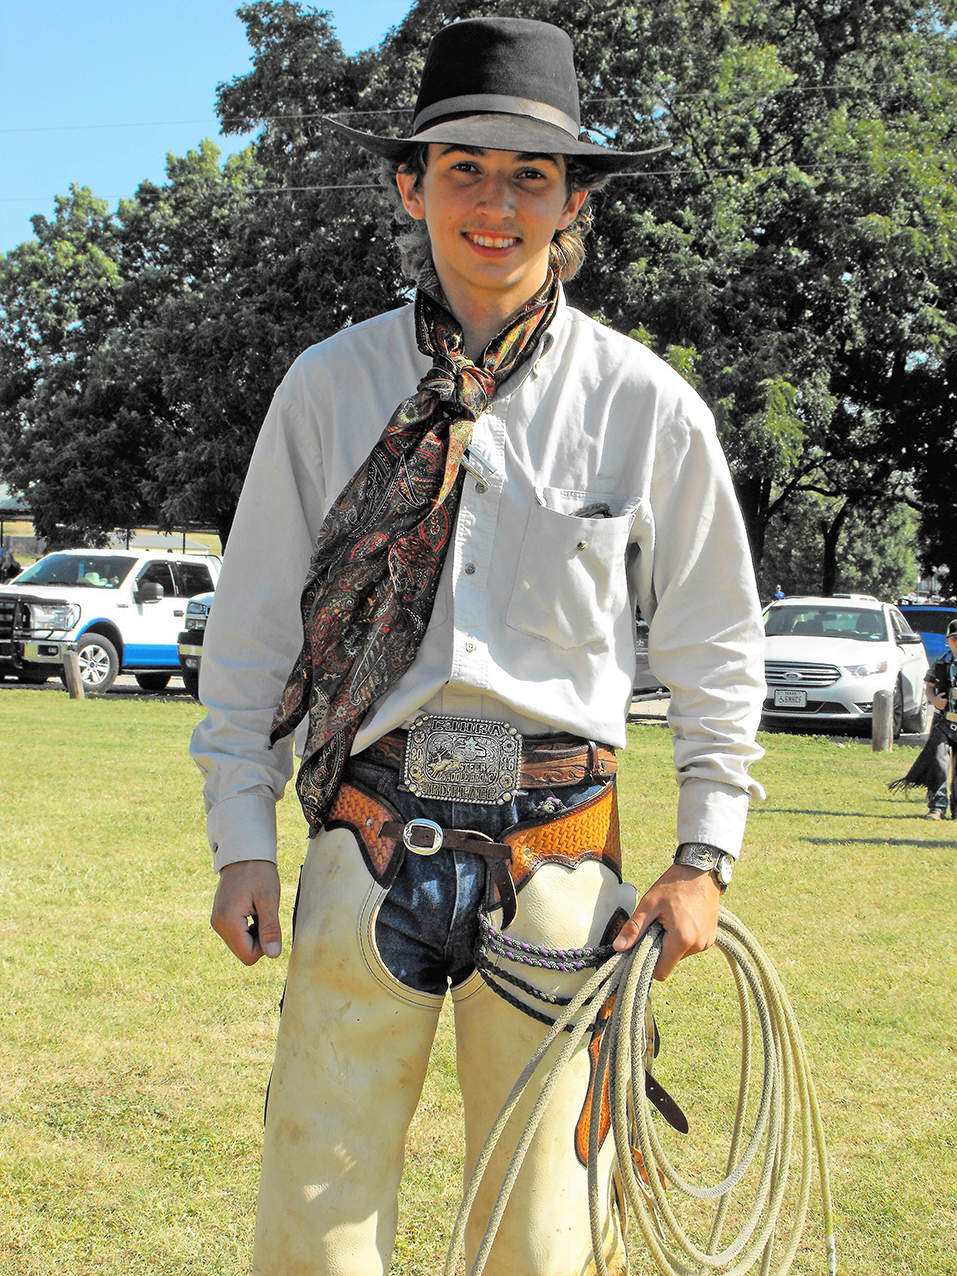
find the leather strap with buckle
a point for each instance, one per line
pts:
(589, 831)
(425, 837)
(385, 839)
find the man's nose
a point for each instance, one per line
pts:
(497, 197)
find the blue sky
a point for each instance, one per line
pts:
(98, 91)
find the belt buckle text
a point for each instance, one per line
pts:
(462, 760)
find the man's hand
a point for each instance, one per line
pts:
(686, 901)
(934, 698)
(249, 889)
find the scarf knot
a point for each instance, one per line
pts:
(462, 386)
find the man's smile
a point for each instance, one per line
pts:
(491, 241)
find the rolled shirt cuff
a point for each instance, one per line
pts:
(713, 813)
(243, 827)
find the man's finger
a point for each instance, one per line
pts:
(671, 953)
(630, 933)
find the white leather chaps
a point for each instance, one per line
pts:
(351, 1058)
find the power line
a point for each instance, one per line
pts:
(822, 166)
(661, 94)
(81, 128)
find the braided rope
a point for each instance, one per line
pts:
(787, 1101)
(564, 960)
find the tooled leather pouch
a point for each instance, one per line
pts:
(363, 812)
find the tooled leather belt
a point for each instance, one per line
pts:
(546, 761)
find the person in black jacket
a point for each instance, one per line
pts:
(934, 767)
(941, 694)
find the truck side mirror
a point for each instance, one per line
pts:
(148, 592)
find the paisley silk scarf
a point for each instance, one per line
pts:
(374, 573)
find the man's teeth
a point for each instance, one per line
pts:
(492, 241)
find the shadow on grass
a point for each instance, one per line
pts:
(906, 740)
(920, 844)
(757, 811)
(125, 690)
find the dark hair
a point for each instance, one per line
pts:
(566, 251)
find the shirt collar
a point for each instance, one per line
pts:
(538, 364)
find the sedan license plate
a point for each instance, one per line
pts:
(790, 699)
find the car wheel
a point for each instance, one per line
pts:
(152, 681)
(191, 682)
(98, 661)
(33, 677)
(918, 722)
(897, 712)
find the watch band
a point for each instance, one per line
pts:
(710, 859)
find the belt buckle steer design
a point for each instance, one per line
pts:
(462, 760)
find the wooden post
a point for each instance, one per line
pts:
(882, 730)
(71, 674)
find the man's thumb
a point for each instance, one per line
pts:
(270, 933)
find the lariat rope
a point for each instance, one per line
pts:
(787, 1099)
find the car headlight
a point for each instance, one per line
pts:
(54, 615)
(866, 671)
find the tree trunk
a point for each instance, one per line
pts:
(832, 537)
(224, 523)
(754, 496)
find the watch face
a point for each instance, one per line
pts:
(724, 868)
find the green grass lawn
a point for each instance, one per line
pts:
(135, 1049)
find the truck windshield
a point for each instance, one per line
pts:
(92, 571)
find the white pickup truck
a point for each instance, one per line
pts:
(120, 610)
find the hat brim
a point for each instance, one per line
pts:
(501, 133)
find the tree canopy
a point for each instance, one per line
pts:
(793, 255)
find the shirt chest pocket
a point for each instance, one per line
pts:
(571, 584)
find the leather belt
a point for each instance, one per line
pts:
(425, 837)
(547, 761)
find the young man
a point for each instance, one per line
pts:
(465, 642)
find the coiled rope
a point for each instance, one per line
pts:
(787, 1105)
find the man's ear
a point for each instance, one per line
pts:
(410, 194)
(571, 209)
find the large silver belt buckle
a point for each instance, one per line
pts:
(462, 760)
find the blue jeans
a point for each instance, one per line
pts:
(427, 927)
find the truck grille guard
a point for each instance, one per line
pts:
(15, 624)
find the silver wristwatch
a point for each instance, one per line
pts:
(708, 858)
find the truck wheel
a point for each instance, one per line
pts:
(191, 682)
(98, 661)
(152, 681)
(33, 675)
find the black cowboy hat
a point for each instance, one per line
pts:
(505, 84)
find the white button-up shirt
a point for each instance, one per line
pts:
(534, 619)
